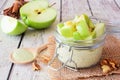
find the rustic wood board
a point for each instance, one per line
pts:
(34, 38)
(117, 2)
(7, 45)
(71, 8)
(104, 9)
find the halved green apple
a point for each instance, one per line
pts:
(37, 14)
(12, 26)
(87, 20)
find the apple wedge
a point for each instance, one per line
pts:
(70, 24)
(37, 14)
(83, 29)
(67, 32)
(99, 29)
(77, 36)
(12, 26)
(87, 20)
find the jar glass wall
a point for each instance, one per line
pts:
(79, 54)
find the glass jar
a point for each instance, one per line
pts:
(82, 53)
(79, 54)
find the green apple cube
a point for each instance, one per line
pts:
(59, 26)
(89, 39)
(85, 18)
(91, 24)
(93, 34)
(70, 24)
(83, 29)
(12, 26)
(66, 32)
(88, 20)
(76, 19)
(37, 14)
(77, 36)
(99, 29)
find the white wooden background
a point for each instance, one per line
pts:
(104, 9)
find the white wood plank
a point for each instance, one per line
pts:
(7, 45)
(5, 4)
(2, 2)
(34, 38)
(71, 8)
(118, 2)
(109, 11)
(105, 9)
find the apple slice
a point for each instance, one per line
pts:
(59, 26)
(37, 14)
(76, 19)
(89, 39)
(66, 32)
(12, 26)
(70, 24)
(99, 29)
(77, 36)
(83, 29)
(88, 21)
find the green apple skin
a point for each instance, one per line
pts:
(18, 29)
(89, 39)
(31, 16)
(21, 28)
(67, 32)
(70, 24)
(83, 29)
(59, 26)
(77, 36)
(86, 19)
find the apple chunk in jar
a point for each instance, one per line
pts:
(82, 47)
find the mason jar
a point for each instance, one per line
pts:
(79, 54)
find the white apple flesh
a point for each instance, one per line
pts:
(99, 29)
(37, 14)
(12, 26)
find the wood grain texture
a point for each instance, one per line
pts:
(34, 38)
(7, 45)
(71, 8)
(105, 9)
(117, 3)
(2, 4)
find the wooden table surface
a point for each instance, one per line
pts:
(108, 10)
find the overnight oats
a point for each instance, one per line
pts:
(80, 42)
